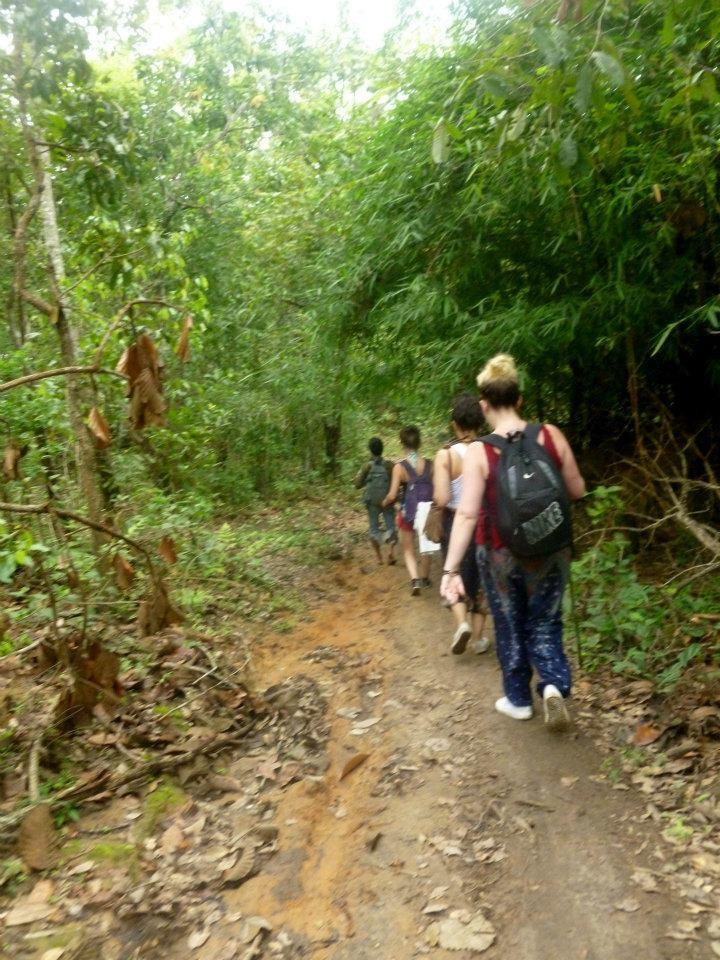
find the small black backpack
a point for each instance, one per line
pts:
(533, 506)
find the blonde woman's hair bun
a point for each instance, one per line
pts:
(500, 368)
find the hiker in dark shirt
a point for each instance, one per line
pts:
(374, 477)
(525, 595)
(411, 483)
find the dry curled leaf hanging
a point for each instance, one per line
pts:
(156, 612)
(183, 345)
(124, 572)
(141, 365)
(166, 549)
(99, 428)
(11, 460)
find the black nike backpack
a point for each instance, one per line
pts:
(533, 505)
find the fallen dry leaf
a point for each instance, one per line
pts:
(478, 935)
(646, 734)
(646, 881)
(53, 954)
(36, 841)
(629, 905)
(353, 763)
(26, 912)
(198, 938)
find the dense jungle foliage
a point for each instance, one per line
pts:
(286, 243)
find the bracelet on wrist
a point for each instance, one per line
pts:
(451, 573)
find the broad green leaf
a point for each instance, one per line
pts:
(583, 88)
(568, 152)
(494, 86)
(668, 28)
(611, 67)
(547, 47)
(517, 124)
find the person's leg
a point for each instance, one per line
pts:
(407, 545)
(374, 529)
(424, 566)
(391, 536)
(473, 590)
(505, 591)
(544, 627)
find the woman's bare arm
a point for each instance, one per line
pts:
(570, 471)
(475, 471)
(441, 477)
(397, 478)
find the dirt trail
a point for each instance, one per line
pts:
(455, 808)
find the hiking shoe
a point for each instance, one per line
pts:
(504, 706)
(481, 645)
(555, 712)
(460, 638)
(426, 582)
(415, 586)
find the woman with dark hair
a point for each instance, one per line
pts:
(469, 611)
(525, 595)
(413, 475)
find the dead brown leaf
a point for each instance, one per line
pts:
(183, 345)
(646, 734)
(99, 428)
(124, 572)
(353, 763)
(36, 840)
(156, 612)
(166, 549)
(140, 364)
(11, 460)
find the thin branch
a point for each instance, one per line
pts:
(57, 372)
(44, 306)
(123, 312)
(84, 521)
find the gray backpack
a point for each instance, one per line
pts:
(377, 483)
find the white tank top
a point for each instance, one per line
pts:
(456, 485)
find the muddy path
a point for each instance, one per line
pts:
(378, 808)
(459, 830)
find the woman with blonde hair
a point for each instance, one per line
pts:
(524, 592)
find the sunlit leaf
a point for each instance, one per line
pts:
(609, 66)
(440, 150)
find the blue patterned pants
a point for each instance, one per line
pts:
(525, 599)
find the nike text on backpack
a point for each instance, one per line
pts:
(418, 490)
(533, 506)
(377, 483)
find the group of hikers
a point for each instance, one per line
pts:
(505, 536)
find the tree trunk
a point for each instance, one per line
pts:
(332, 429)
(86, 464)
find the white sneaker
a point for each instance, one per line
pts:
(481, 645)
(460, 638)
(503, 705)
(554, 710)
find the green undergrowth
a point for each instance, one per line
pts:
(626, 620)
